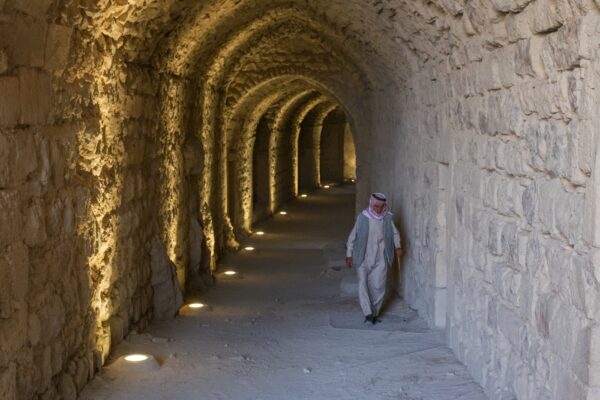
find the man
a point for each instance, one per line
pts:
(371, 248)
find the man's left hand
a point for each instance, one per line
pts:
(399, 253)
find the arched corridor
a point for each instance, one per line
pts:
(142, 141)
(280, 329)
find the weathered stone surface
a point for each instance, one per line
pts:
(58, 42)
(35, 96)
(148, 142)
(66, 387)
(32, 7)
(544, 15)
(10, 214)
(527, 58)
(3, 61)
(9, 106)
(167, 293)
(8, 382)
(25, 39)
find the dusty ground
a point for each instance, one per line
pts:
(284, 329)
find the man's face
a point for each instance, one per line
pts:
(378, 208)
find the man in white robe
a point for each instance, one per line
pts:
(372, 246)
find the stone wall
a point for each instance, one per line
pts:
(126, 159)
(332, 153)
(494, 192)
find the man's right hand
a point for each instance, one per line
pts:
(349, 262)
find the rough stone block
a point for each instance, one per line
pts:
(6, 164)
(528, 59)
(196, 237)
(34, 329)
(32, 7)
(9, 101)
(513, 6)
(26, 41)
(440, 307)
(35, 96)
(58, 45)
(510, 324)
(495, 238)
(24, 158)
(3, 61)
(35, 225)
(10, 215)
(117, 332)
(594, 356)
(66, 387)
(545, 17)
(16, 258)
(167, 293)
(517, 27)
(8, 382)
(53, 319)
(504, 59)
(6, 302)
(43, 363)
(568, 216)
(58, 356)
(577, 40)
(545, 307)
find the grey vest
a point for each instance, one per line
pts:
(362, 236)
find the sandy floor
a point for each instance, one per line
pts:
(284, 330)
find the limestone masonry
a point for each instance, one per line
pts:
(140, 139)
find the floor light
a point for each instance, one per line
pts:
(135, 358)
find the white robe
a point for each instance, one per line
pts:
(372, 273)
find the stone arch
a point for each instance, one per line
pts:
(280, 126)
(457, 86)
(309, 149)
(247, 108)
(336, 155)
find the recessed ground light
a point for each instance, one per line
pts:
(260, 233)
(249, 248)
(136, 358)
(326, 186)
(304, 196)
(230, 273)
(283, 212)
(196, 305)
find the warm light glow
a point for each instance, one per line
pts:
(230, 273)
(283, 212)
(326, 186)
(352, 180)
(196, 305)
(136, 357)
(260, 233)
(249, 248)
(304, 196)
